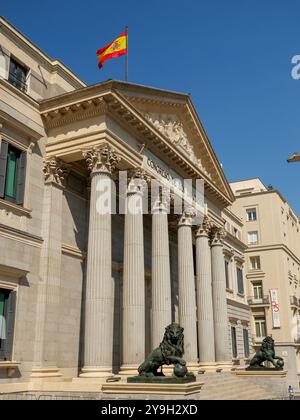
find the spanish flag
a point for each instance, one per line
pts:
(116, 48)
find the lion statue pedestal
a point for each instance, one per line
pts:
(169, 352)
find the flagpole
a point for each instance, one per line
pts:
(126, 60)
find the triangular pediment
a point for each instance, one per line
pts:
(179, 123)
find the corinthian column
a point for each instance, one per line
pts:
(45, 363)
(99, 304)
(161, 279)
(219, 298)
(206, 339)
(186, 286)
(134, 278)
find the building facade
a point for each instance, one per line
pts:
(271, 232)
(88, 293)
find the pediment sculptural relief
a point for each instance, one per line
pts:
(174, 131)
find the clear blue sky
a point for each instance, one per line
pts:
(233, 56)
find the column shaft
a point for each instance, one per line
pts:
(161, 280)
(99, 303)
(219, 302)
(186, 292)
(133, 287)
(206, 339)
(48, 298)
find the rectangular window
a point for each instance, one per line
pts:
(240, 280)
(255, 263)
(234, 343)
(257, 291)
(251, 215)
(17, 75)
(260, 327)
(246, 343)
(7, 321)
(253, 237)
(227, 274)
(12, 173)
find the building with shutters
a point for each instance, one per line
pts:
(271, 230)
(84, 293)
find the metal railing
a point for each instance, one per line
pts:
(18, 83)
(252, 300)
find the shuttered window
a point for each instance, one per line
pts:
(240, 280)
(234, 342)
(246, 342)
(7, 322)
(12, 173)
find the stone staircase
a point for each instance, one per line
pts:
(227, 386)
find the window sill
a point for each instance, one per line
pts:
(229, 290)
(10, 367)
(241, 295)
(14, 208)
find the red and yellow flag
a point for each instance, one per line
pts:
(114, 49)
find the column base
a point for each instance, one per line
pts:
(45, 374)
(192, 367)
(224, 366)
(94, 375)
(129, 370)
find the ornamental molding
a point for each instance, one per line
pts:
(173, 129)
(76, 112)
(55, 170)
(101, 159)
(187, 217)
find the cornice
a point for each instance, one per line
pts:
(21, 95)
(65, 115)
(238, 304)
(20, 236)
(262, 248)
(73, 251)
(236, 241)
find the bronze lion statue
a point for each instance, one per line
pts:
(170, 351)
(266, 353)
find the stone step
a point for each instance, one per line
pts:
(226, 386)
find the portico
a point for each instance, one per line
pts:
(98, 132)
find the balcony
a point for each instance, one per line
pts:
(295, 302)
(263, 301)
(18, 83)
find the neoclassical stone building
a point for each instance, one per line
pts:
(84, 294)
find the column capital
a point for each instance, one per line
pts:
(204, 228)
(55, 170)
(138, 179)
(187, 217)
(101, 159)
(217, 234)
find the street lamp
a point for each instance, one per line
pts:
(295, 157)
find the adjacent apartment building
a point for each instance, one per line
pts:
(271, 230)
